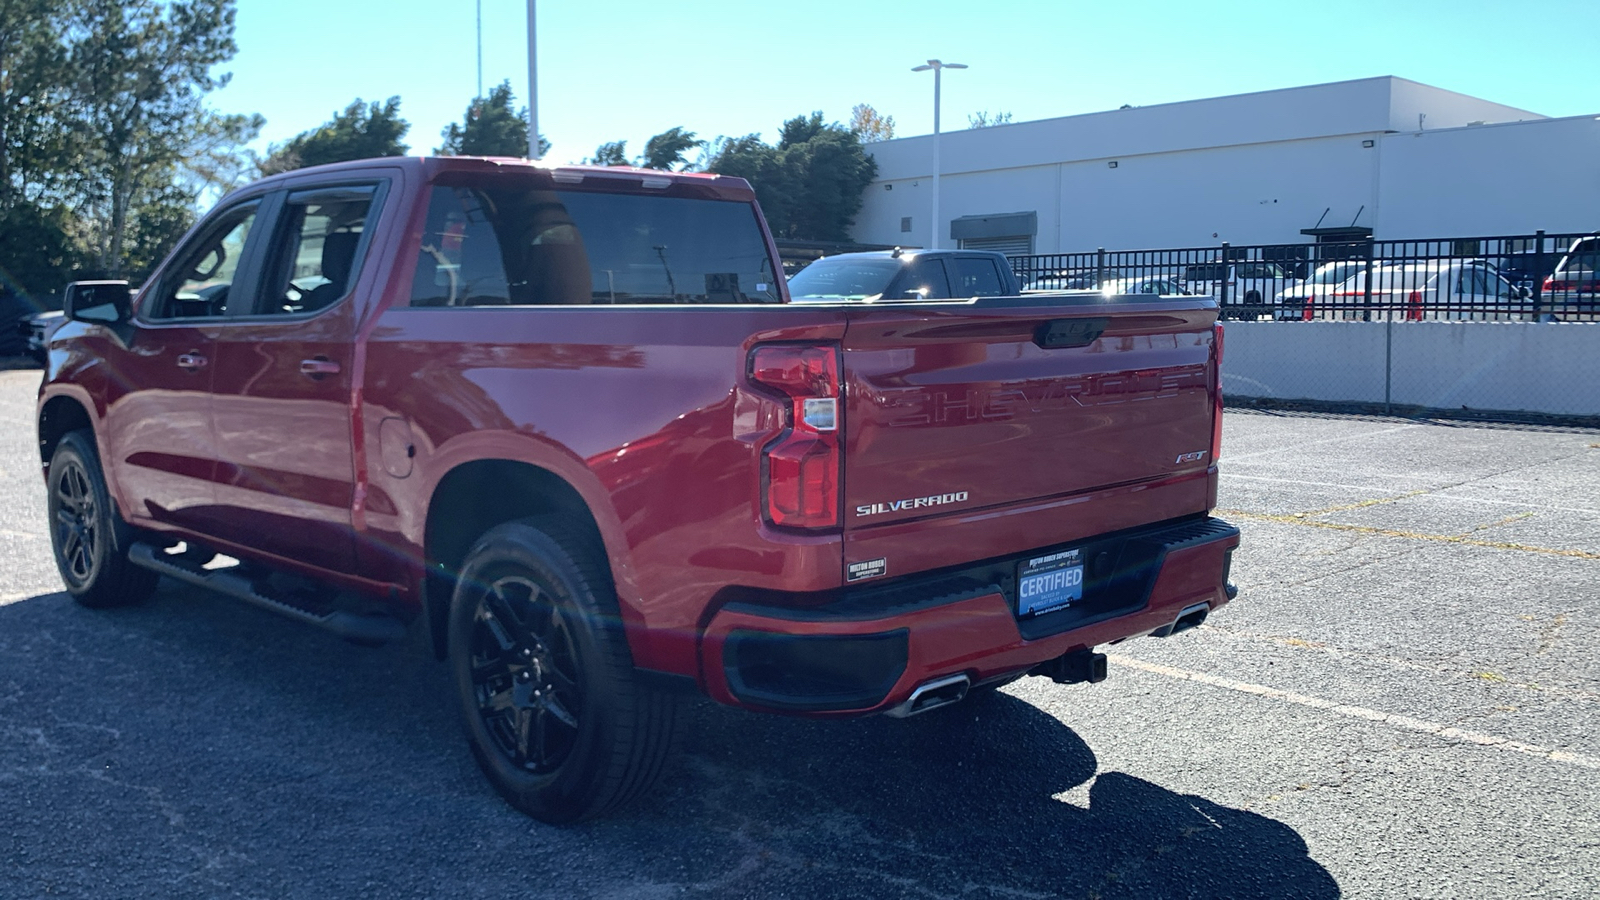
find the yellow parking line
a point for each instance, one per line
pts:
(1376, 501)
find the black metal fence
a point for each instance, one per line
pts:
(1531, 277)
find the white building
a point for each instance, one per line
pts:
(1381, 156)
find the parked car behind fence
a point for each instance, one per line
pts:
(1311, 281)
(1573, 289)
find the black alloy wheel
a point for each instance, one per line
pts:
(525, 674)
(77, 523)
(554, 713)
(89, 538)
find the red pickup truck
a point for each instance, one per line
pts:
(565, 420)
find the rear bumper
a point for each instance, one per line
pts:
(869, 648)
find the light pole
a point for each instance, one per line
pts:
(533, 85)
(937, 67)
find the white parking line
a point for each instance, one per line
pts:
(1448, 732)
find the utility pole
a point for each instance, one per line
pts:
(533, 84)
(937, 67)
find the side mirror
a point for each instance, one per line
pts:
(98, 302)
(1524, 293)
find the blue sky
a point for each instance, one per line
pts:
(628, 70)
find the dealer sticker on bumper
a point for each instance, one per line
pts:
(1049, 583)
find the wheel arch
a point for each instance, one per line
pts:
(59, 416)
(474, 497)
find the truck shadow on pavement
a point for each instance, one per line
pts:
(213, 749)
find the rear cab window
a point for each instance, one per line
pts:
(975, 277)
(513, 242)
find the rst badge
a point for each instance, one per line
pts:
(1195, 456)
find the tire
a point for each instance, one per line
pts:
(553, 710)
(1252, 297)
(89, 538)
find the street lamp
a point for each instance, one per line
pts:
(937, 68)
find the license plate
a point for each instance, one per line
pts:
(1048, 583)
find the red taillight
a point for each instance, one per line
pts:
(1550, 283)
(800, 467)
(1414, 307)
(1216, 409)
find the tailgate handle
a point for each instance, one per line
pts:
(1069, 332)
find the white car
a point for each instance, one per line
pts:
(1572, 292)
(1289, 304)
(1164, 286)
(1465, 289)
(1249, 283)
(1068, 280)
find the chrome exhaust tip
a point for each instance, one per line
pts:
(932, 695)
(1190, 617)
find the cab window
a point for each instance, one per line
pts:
(315, 257)
(974, 277)
(923, 279)
(198, 286)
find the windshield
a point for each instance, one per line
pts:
(502, 243)
(1584, 257)
(843, 278)
(1333, 273)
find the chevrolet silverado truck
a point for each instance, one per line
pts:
(565, 421)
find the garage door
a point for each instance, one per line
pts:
(1020, 245)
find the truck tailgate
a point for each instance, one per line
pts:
(959, 416)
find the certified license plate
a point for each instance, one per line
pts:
(1048, 583)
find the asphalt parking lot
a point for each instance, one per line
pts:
(1403, 702)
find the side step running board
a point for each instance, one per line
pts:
(353, 627)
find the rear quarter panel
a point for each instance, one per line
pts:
(643, 410)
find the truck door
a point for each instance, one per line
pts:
(282, 384)
(160, 447)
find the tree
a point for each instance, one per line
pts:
(810, 185)
(361, 131)
(869, 125)
(491, 128)
(141, 69)
(983, 119)
(106, 142)
(40, 252)
(763, 166)
(34, 138)
(612, 153)
(666, 150)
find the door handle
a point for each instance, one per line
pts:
(316, 368)
(191, 362)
